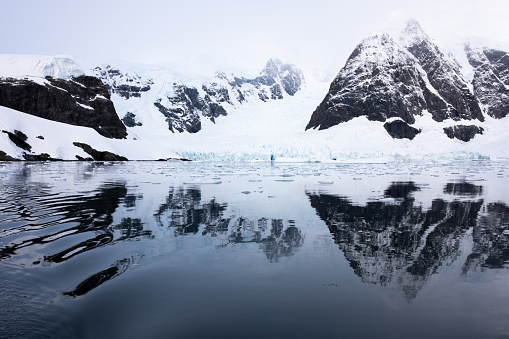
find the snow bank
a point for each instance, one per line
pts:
(56, 139)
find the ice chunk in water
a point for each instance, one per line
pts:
(202, 182)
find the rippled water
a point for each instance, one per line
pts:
(190, 250)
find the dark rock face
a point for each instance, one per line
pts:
(463, 132)
(80, 101)
(99, 155)
(279, 77)
(19, 139)
(385, 79)
(183, 109)
(380, 80)
(491, 79)
(444, 76)
(220, 93)
(399, 129)
(130, 120)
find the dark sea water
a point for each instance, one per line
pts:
(254, 250)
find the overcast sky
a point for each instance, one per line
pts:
(96, 31)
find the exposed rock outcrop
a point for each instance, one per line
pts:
(130, 120)
(125, 85)
(39, 157)
(81, 101)
(399, 129)
(5, 157)
(463, 132)
(19, 139)
(279, 77)
(443, 75)
(98, 155)
(380, 80)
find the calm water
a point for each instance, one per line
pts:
(188, 250)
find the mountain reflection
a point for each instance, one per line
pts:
(395, 242)
(491, 239)
(185, 213)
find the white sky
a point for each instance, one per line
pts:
(302, 32)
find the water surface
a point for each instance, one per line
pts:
(205, 250)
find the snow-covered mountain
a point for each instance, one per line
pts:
(149, 103)
(397, 79)
(184, 102)
(400, 95)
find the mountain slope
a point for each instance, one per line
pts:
(443, 74)
(380, 80)
(491, 78)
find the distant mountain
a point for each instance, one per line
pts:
(185, 104)
(395, 79)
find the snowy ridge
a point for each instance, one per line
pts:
(63, 67)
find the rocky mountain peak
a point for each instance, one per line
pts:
(376, 50)
(398, 78)
(412, 32)
(281, 76)
(380, 80)
(272, 68)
